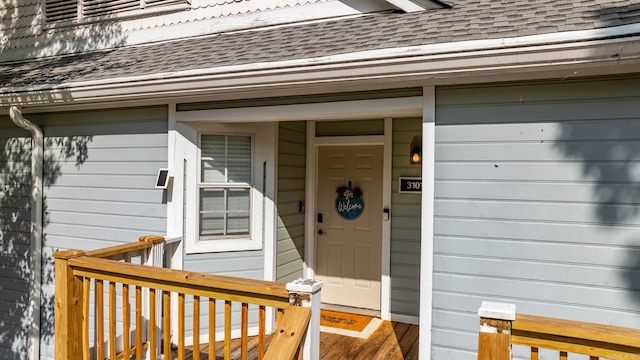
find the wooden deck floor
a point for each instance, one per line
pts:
(391, 341)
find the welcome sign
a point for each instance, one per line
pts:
(349, 202)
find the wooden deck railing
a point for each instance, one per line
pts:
(500, 328)
(79, 275)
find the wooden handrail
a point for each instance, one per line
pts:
(595, 340)
(290, 334)
(144, 242)
(500, 327)
(181, 281)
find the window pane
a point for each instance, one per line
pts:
(213, 162)
(224, 211)
(225, 159)
(238, 212)
(211, 212)
(239, 159)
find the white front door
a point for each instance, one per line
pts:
(349, 224)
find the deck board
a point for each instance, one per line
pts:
(391, 341)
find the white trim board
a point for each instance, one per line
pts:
(356, 109)
(428, 208)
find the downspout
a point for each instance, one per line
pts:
(37, 159)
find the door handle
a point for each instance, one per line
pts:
(320, 232)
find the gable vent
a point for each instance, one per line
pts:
(157, 3)
(61, 10)
(92, 8)
(70, 10)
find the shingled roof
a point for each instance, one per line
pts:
(466, 20)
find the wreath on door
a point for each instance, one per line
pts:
(349, 202)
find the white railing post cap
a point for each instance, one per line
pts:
(499, 311)
(305, 286)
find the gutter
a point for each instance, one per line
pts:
(37, 159)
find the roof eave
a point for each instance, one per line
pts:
(606, 51)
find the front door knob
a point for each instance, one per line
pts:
(320, 232)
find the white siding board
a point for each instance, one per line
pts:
(149, 222)
(589, 110)
(581, 130)
(536, 204)
(101, 168)
(140, 196)
(106, 208)
(535, 151)
(547, 232)
(595, 298)
(523, 269)
(61, 236)
(540, 91)
(545, 191)
(536, 211)
(135, 154)
(112, 182)
(558, 172)
(580, 253)
(454, 344)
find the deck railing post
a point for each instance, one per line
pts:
(304, 292)
(68, 308)
(494, 339)
(154, 256)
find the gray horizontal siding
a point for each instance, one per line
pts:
(15, 222)
(537, 195)
(405, 224)
(244, 264)
(291, 191)
(100, 168)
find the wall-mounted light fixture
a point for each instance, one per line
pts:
(415, 156)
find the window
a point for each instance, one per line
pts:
(57, 11)
(224, 188)
(229, 185)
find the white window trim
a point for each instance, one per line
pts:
(260, 193)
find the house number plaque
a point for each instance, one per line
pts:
(410, 185)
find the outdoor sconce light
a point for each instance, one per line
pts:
(415, 157)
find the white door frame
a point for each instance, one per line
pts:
(313, 143)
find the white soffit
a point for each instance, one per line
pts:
(414, 5)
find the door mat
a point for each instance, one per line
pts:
(346, 324)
